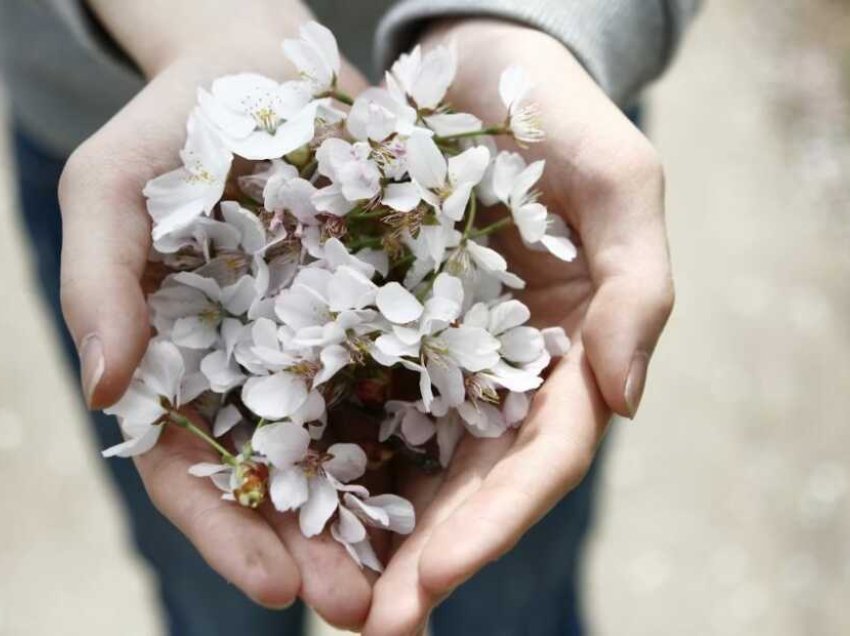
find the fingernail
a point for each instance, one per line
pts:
(92, 365)
(635, 382)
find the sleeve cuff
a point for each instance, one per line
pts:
(623, 44)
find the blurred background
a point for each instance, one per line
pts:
(724, 507)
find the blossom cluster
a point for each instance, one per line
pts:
(329, 303)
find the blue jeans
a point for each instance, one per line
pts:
(532, 590)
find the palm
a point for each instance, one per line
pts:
(557, 294)
(265, 555)
(613, 300)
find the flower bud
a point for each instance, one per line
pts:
(250, 483)
(299, 157)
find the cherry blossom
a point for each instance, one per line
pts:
(511, 183)
(340, 271)
(257, 117)
(177, 198)
(157, 386)
(304, 479)
(316, 56)
(523, 114)
(423, 78)
(445, 184)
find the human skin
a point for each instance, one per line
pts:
(178, 47)
(602, 176)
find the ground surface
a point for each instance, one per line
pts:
(724, 507)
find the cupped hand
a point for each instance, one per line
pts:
(104, 254)
(603, 177)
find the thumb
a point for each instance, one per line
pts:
(627, 252)
(622, 326)
(104, 249)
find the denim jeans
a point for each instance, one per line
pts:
(533, 590)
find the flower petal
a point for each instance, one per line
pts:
(556, 341)
(482, 420)
(399, 511)
(320, 505)
(507, 315)
(288, 488)
(472, 347)
(416, 428)
(521, 344)
(397, 304)
(135, 445)
(401, 196)
(283, 443)
(226, 419)
(348, 462)
(425, 163)
(274, 396)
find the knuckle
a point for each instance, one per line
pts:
(632, 163)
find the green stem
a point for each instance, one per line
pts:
(364, 242)
(405, 261)
(494, 227)
(184, 422)
(367, 214)
(308, 170)
(498, 129)
(470, 216)
(339, 96)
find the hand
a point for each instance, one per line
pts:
(604, 178)
(106, 242)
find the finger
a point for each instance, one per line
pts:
(106, 234)
(235, 541)
(105, 243)
(551, 454)
(331, 582)
(626, 247)
(400, 604)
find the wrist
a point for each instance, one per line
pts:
(229, 36)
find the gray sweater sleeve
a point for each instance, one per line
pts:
(623, 44)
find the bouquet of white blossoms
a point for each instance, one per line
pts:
(329, 303)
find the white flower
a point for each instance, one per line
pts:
(376, 115)
(304, 479)
(354, 175)
(257, 117)
(189, 307)
(511, 182)
(177, 198)
(156, 387)
(275, 396)
(281, 373)
(319, 297)
(285, 190)
(423, 340)
(448, 124)
(524, 351)
(199, 237)
(249, 228)
(472, 261)
(446, 185)
(523, 115)
(387, 512)
(409, 421)
(429, 249)
(424, 79)
(316, 56)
